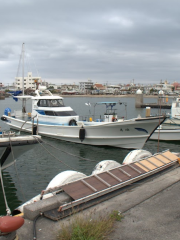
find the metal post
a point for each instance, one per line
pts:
(23, 100)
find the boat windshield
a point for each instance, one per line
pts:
(50, 103)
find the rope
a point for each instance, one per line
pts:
(27, 63)
(4, 194)
(26, 122)
(34, 225)
(68, 152)
(53, 155)
(18, 66)
(35, 67)
(14, 164)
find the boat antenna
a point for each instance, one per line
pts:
(19, 66)
(23, 68)
(23, 100)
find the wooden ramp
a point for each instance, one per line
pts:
(92, 189)
(96, 183)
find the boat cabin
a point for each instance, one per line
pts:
(110, 114)
(51, 109)
(48, 109)
(175, 109)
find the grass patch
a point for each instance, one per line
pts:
(89, 228)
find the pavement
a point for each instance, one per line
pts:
(151, 210)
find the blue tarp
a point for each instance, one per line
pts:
(15, 93)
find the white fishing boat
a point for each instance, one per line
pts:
(170, 129)
(167, 132)
(12, 146)
(174, 118)
(53, 119)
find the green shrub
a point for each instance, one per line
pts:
(89, 228)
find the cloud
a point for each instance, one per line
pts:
(114, 41)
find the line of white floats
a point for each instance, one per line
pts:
(71, 176)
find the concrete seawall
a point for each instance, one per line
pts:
(150, 209)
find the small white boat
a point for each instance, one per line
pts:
(174, 117)
(167, 132)
(170, 129)
(12, 146)
(55, 120)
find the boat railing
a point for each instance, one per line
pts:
(34, 126)
(95, 118)
(91, 118)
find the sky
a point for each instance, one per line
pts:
(106, 41)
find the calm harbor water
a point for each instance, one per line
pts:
(36, 168)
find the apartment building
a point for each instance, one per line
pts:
(85, 86)
(29, 81)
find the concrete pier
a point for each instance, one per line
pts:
(139, 99)
(150, 209)
(160, 102)
(155, 105)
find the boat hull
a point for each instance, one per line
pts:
(166, 135)
(11, 148)
(172, 122)
(130, 134)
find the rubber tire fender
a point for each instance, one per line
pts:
(72, 122)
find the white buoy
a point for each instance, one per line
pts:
(105, 165)
(64, 178)
(60, 179)
(136, 155)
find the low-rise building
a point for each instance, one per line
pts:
(164, 86)
(86, 87)
(29, 81)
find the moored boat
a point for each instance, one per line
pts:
(53, 119)
(170, 129)
(12, 146)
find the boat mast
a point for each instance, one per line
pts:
(23, 100)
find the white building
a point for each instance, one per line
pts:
(29, 82)
(51, 85)
(166, 87)
(85, 86)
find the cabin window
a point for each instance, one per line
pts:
(67, 113)
(55, 103)
(42, 103)
(63, 114)
(49, 113)
(50, 103)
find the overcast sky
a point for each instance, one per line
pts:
(107, 41)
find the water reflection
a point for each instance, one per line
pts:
(11, 194)
(37, 167)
